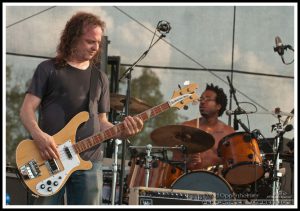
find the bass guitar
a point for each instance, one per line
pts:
(47, 177)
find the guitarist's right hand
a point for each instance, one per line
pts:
(46, 145)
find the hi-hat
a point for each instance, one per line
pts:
(194, 139)
(135, 105)
(286, 156)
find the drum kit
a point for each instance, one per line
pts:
(245, 174)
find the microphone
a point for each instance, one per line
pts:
(163, 26)
(279, 46)
(286, 129)
(237, 112)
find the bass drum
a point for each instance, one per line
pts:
(202, 180)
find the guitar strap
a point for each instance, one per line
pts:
(95, 83)
(92, 125)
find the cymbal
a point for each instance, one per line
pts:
(194, 139)
(276, 113)
(135, 105)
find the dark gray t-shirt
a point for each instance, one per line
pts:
(64, 93)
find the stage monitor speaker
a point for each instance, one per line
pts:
(15, 189)
(161, 196)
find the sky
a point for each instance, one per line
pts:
(200, 37)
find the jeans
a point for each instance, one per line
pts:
(84, 187)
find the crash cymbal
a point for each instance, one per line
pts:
(275, 113)
(195, 140)
(135, 105)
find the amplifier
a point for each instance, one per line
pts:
(162, 196)
(14, 187)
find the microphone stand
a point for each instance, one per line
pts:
(243, 126)
(277, 148)
(127, 74)
(115, 170)
(238, 121)
(148, 164)
(232, 92)
(276, 166)
(184, 151)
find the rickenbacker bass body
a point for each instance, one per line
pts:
(47, 177)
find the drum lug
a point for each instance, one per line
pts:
(173, 170)
(250, 156)
(226, 143)
(230, 162)
(247, 137)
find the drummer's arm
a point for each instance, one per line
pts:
(194, 161)
(177, 156)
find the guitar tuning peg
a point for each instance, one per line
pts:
(185, 107)
(195, 102)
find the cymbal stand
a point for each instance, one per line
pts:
(148, 148)
(148, 164)
(276, 166)
(115, 171)
(184, 151)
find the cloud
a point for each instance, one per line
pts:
(226, 54)
(254, 63)
(245, 61)
(40, 34)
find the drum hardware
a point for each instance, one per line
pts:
(194, 139)
(147, 164)
(247, 137)
(115, 170)
(217, 169)
(276, 175)
(285, 156)
(184, 151)
(288, 118)
(230, 162)
(152, 163)
(277, 145)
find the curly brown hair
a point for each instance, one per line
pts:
(70, 35)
